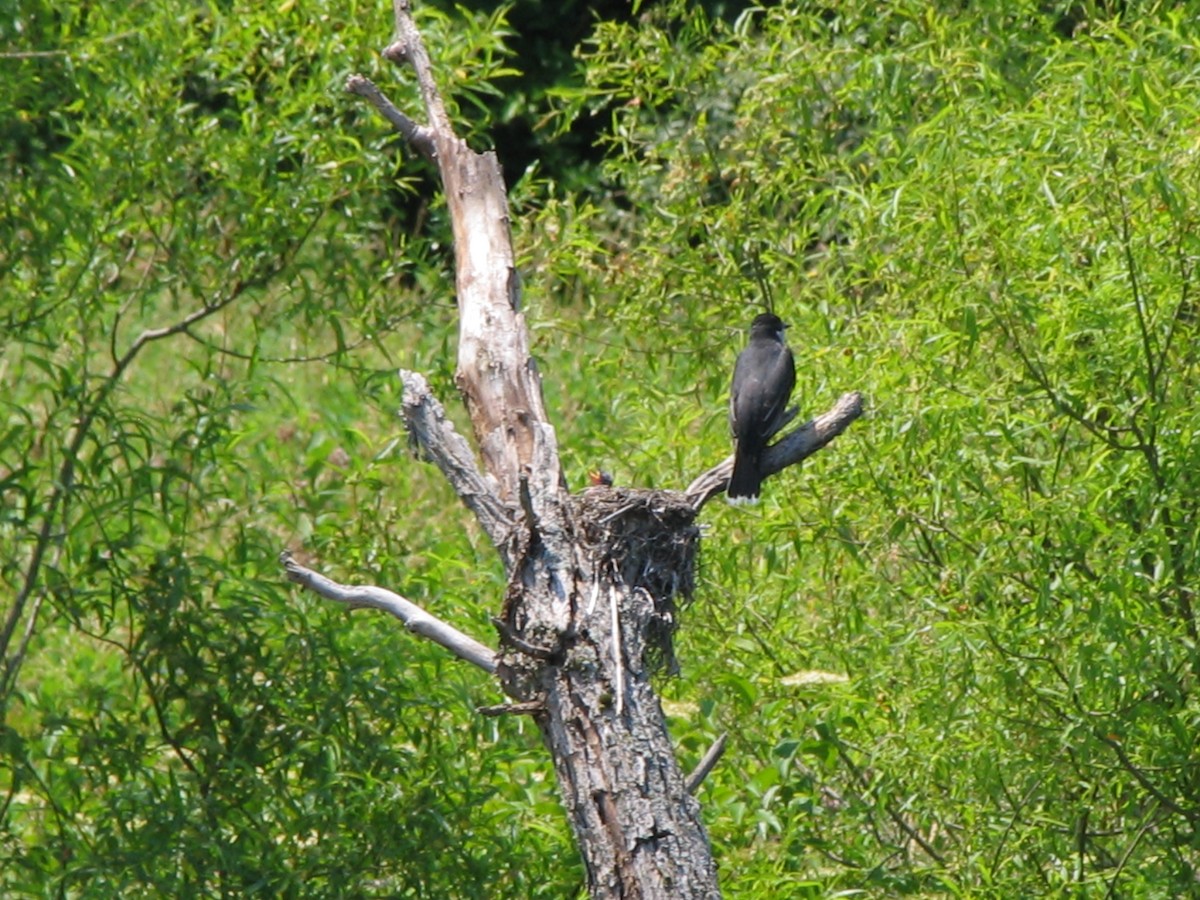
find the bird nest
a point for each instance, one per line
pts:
(646, 542)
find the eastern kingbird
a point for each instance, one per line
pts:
(762, 383)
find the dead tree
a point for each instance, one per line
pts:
(593, 577)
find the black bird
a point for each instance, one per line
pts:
(762, 384)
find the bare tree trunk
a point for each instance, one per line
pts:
(631, 554)
(569, 601)
(593, 578)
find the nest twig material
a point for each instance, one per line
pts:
(647, 542)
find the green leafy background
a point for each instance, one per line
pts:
(956, 653)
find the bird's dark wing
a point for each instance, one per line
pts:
(784, 377)
(762, 384)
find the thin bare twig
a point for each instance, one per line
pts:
(410, 48)
(707, 763)
(508, 636)
(80, 52)
(1151, 818)
(614, 606)
(416, 619)
(420, 137)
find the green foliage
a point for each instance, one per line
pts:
(958, 652)
(207, 286)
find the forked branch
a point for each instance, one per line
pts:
(420, 137)
(496, 372)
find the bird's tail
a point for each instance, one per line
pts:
(745, 482)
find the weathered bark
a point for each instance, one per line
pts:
(495, 371)
(582, 598)
(594, 578)
(639, 828)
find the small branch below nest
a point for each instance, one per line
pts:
(707, 763)
(519, 643)
(528, 708)
(800, 444)
(417, 620)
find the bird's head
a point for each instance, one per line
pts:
(767, 325)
